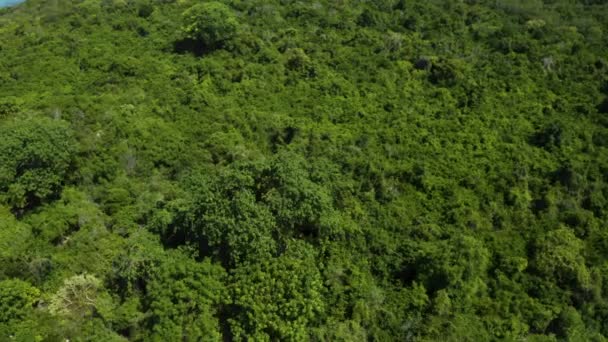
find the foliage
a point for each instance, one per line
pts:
(278, 299)
(16, 299)
(15, 238)
(35, 157)
(184, 300)
(290, 170)
(211, 22)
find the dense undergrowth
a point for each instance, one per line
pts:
(304, 170)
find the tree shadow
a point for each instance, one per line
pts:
(193, 46)
(603, 107)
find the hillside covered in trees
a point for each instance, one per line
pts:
(282, 170)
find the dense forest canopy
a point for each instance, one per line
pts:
(282, 170)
